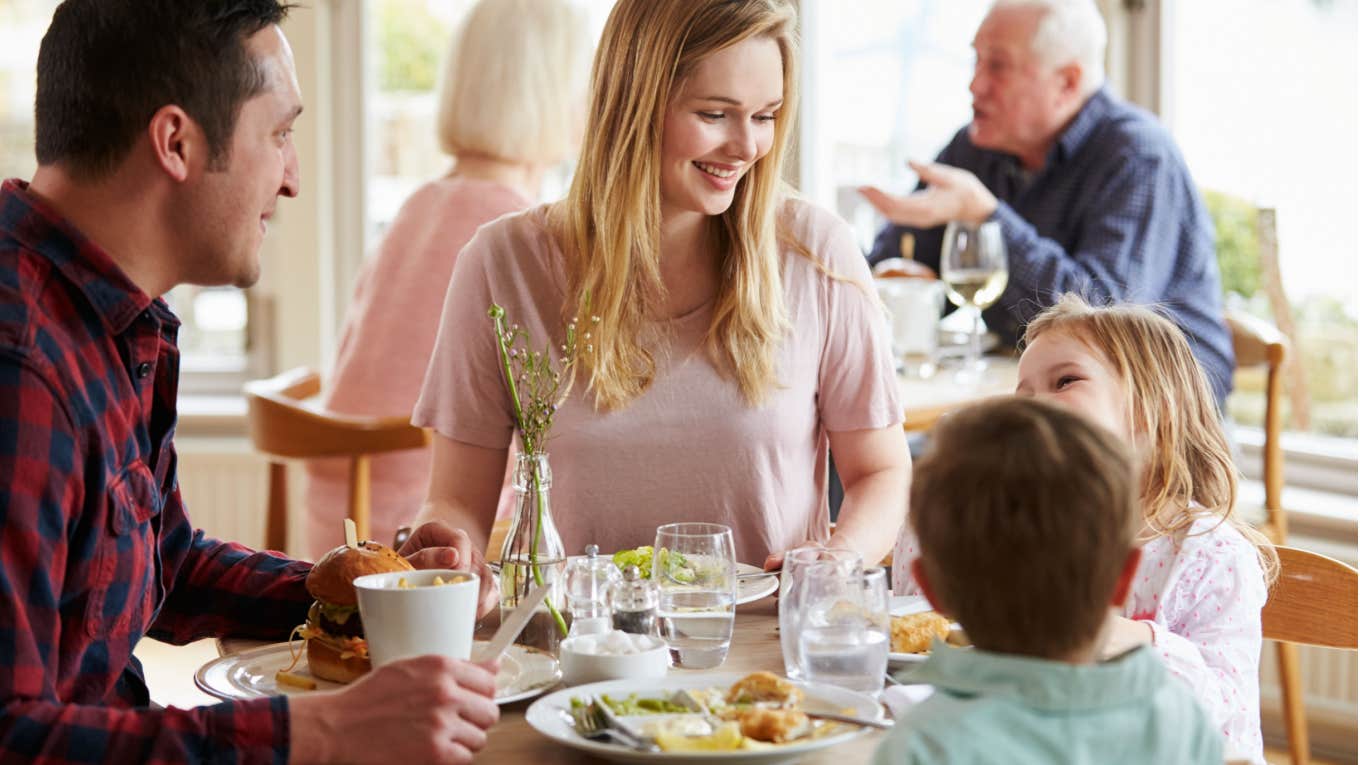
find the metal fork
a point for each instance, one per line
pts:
(589, 721)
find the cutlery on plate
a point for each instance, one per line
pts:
(641, 741)
(513, 624)
(755, 575)
(851, 719)
(588, 725)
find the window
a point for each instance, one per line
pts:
(213, 339)
(1261, 97)
(408, 43)
(886, 81)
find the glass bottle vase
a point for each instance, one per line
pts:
(533, 554)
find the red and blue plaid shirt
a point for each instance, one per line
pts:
(95, 547)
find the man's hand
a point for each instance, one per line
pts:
(425, 709)
(438, 545)
(950, 194)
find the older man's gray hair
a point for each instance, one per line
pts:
(1069, 31)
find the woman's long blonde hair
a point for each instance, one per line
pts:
(609, 225)
(1188, 468)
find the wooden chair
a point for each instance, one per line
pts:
(284, 426)
(1312, 603)
(1256, 343)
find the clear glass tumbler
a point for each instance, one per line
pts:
(843, 632)
(695, 568)
(796, 562)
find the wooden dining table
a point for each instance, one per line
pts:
(925, 400)
(755, 646)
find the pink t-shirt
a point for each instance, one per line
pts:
(385, 348)
(689, 448)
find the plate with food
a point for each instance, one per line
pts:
(330, 648)
(753, 583)
(915, 626)
(754, 719)
(265, 671)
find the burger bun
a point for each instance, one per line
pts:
(332, 578)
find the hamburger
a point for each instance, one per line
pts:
(336, 649)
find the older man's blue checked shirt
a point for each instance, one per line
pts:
(95, 547)
(1112, 215)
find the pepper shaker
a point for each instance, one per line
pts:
(633, 602)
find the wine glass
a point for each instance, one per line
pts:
(973, 267)
(694, 566)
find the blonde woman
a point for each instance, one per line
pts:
(511, 105)
(1200, 586)
(736, 340)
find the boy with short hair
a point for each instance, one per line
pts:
(1026, 516)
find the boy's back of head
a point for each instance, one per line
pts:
(1025, 514)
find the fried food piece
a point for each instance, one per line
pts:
(913, 633)
(774, 725)
(765, 686)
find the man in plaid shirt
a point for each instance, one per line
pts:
(164, 141)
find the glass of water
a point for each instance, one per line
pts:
(844, 627)
(694, 566)
(796, 563)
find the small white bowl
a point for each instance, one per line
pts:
(579, 667)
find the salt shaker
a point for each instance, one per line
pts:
(589, 582)
(633, 602)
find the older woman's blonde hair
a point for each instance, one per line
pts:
(610, 222)
(1187, 464)
(513, 81)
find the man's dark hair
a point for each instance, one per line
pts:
(106, 66)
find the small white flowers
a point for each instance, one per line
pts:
(534, 385)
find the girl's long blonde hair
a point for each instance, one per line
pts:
(609, 224)
(1187, 462)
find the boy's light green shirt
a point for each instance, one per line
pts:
(992, 708)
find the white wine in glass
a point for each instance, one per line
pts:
(973, 267)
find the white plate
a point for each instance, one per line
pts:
(546, 718)
(748, 590)
(525, 673)
(899, 605)
(757, 587)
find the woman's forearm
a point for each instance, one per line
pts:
(873, 511)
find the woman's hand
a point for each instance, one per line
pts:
(438, 545)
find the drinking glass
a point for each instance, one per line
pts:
(843, 634)
(695, 568)
(796, 564)
(973, 267)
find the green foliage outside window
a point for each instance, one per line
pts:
(412, 41)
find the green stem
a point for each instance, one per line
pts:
(542, 503)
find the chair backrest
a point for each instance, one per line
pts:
(1313, 601)
(283, 424)
(1257, 343)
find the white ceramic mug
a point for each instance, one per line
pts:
(421, 618)
(914, 306)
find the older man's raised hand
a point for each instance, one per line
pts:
(950, 194)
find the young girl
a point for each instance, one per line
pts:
(1199, 590)
(733, 337)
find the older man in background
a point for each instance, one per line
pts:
(1091, 193)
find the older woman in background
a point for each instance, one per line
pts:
(510, 107)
